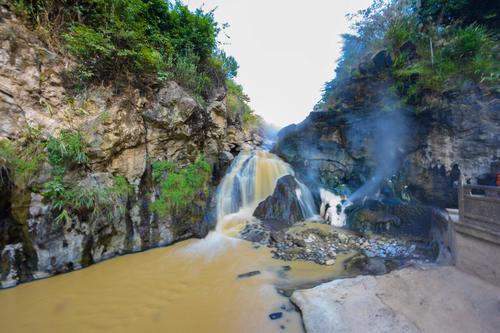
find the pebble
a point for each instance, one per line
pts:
(276, 315)
(322, 248)
(369, 254)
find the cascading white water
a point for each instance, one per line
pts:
(306, 201)
(251, 178)
(328, 209)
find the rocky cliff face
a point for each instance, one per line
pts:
(433, 139)
(126, 131)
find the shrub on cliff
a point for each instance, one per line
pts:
(143, 38)
(68, 150)
(21, 164)
(446, 50)
(237, 102)
(484, 12)
(179, 185)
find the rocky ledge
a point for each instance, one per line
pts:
(416, 299)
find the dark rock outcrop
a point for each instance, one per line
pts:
(382, 60)
(220, 167)
(437, 146)
(398, 220)
(283, 205)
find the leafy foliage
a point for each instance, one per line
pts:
(227, 63)
(21, 162)
(186, 73)
(146, 38)
(179, 186)
(237, 102)
(485, 12)
(68, 148)
(461, 49)
(97, 201)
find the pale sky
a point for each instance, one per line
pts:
(286, 50)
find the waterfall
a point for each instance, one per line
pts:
(251, 178)
(328, 209)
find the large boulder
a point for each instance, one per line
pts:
(382, 60)
(220, 167)
(283, 205)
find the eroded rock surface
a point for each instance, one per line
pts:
(418, 299)
(126, 130)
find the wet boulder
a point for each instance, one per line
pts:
(395, 220)
(283, 205)
(220, 167)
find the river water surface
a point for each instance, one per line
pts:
(191, 286)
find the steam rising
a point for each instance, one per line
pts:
(387, 135)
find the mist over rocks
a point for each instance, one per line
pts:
(422, 153)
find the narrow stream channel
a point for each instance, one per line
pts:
(192, 286)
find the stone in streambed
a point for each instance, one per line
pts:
(276, 315)
(330, 262)
(287, 292)
(249, 274)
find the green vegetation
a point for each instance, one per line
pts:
(21, 163)
(237, 102)
(483, 12)
(67, 149)
(179, 186)
(134, 39)
(463, 34)
(96, 201)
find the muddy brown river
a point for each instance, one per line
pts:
(192, 286)
(189, 287)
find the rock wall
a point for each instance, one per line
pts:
(126, 130)
(446, 134)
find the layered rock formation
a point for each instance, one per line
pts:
(126, 129)
(416, 150)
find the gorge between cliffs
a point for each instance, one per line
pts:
(140, 192)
